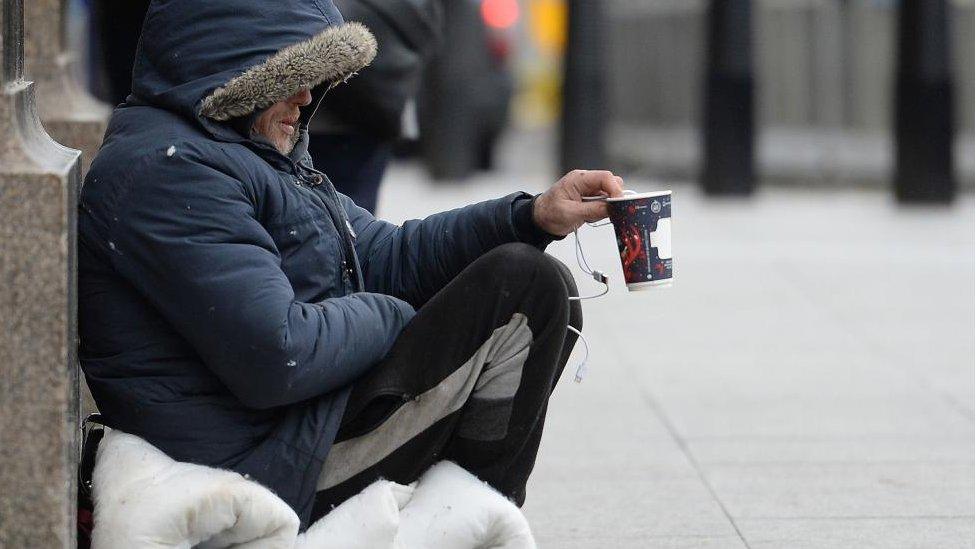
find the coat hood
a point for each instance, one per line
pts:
(217, 60)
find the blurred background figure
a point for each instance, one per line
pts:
(467, 89)
(354, 131)
(115, 28)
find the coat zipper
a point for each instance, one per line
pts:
(341, 223)
(345, 226)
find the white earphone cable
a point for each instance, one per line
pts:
(595, 275)
(585, 267)
(602, 279)
(581, 369)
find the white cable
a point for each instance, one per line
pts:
(602, 279)
(606, 289)
(580, 256)
(584, 265)
(595, 275)
(581, 369)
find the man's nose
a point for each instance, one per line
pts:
(302, 98)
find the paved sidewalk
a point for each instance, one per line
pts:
(807, 382)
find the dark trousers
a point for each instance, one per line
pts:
(354, 163)
(468, 380)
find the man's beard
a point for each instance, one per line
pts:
(283, 142)
(293, 140)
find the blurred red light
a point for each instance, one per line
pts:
(500, 14)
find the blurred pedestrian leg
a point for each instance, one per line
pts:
(727, 133)
(923, 104)
(354, 163)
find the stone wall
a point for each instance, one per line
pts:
(38, 371)
(69, 114)
(67, 111)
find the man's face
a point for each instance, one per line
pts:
(279, 122)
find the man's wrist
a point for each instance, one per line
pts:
(523, 217)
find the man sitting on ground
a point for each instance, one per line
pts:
(235, 311)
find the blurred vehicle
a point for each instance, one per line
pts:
(467, 89)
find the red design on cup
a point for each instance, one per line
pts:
(642, 223)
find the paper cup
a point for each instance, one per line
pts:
(642, 223)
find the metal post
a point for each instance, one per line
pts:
(582, 142)
(727, 132)
(923, 104)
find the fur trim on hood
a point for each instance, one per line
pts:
(330, 57)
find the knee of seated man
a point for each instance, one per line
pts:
(566, 275)
(522, 262)
(513, 261)
(575, 309)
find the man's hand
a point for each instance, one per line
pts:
(561, 210)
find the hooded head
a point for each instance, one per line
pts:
(215, 61)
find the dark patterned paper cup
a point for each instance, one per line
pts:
(643, 226)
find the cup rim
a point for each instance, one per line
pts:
(637, 196)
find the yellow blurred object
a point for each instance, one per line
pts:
(538, 104)
(548, 20)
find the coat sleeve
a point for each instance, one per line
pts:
(415, 260)
(194, 248)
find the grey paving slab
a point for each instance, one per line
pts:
(642, 542)
(838, 490)
(911, 533)
(856, 449)
(714, 415)
(625, 508)
(606, 459)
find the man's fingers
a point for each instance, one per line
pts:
(614, 186)
(592, 211)
(594, 182)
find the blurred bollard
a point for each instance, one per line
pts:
(923, 104)
(728, 164)
(68, 112)
(582, 142)
(38, 371)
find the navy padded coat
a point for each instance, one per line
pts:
(228, 296)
